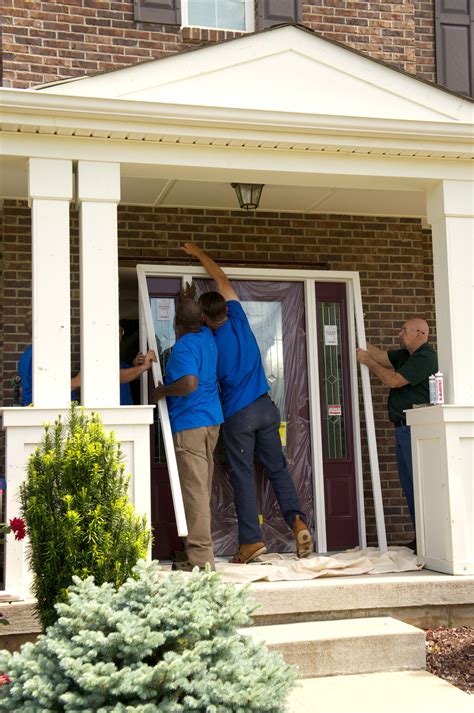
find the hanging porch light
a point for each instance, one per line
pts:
(248, 194)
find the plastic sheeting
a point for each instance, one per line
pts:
(276, 314)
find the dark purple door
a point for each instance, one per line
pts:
(163, 293)
(336, 417)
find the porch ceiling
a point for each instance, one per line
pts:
(140, 187)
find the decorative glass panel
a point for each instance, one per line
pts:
(163, 311)
(221, 14)
(266, 323)
(330, 352)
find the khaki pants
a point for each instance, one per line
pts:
(194, 455)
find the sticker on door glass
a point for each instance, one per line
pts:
(163, 310)
(334, 410)
(283, 433)
(330, 335)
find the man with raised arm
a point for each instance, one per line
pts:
(406, 371)
(195, 414)
(251, 419)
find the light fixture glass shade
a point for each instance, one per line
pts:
(248, 194)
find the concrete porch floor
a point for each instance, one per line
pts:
(423, 598)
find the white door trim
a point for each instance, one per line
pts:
(356, 334)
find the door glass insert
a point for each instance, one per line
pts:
(330, 350)
(265, 319)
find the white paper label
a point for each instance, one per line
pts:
(334, 410)
(163, 310)
(330, 335)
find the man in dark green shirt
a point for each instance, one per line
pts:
(406, 371)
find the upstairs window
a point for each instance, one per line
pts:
(237, 15)
(218, 14)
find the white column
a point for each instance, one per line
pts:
(98, 193)
(50, 192)
(451, 214)
(442, 437)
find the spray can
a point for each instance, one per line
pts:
(439, 388)
(432, 385)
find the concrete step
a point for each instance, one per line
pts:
(425, 599)
(401, 691)
(347, 646)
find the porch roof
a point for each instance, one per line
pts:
(325, 128)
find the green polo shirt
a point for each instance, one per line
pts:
(416, 368)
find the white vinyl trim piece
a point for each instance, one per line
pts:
(315, 416)
(369, 421)
(162, 408)
(356, 327)
(355, 417)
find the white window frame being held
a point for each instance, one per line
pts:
(249, 6)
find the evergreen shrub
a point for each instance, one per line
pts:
(79, 520)
(158, 643)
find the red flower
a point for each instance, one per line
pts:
(18, 527)
(4, 679)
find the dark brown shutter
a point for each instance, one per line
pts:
(455, 44)
(165, 12)
(276, 12)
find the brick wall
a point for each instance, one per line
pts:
(392, 255)
(47, 41)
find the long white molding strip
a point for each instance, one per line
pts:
(369, 422)
(163, 411)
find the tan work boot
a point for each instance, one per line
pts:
(247, 553)
(304, 541)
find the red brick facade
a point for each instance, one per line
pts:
(47, 41)
(393, 257)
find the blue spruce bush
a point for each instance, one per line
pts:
(157, 643)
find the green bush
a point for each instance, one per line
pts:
(78, 517)
(158, 643)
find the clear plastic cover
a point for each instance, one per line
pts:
(277, 317)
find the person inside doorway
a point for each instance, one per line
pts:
(196, 415)
(25, 369)
(406, 371)
(251, 419)
(130, 372)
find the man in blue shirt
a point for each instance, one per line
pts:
(252, 420)
(25, 369)
(195, 415)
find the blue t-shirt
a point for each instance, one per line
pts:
(239, 364)
(25, 370)
(194, 354)
(125, 392)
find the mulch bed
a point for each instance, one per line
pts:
(450, 655)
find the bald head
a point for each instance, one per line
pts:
(414, 333)
(420, 325)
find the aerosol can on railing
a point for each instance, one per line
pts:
(436, 386)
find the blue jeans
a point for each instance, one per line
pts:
(405, 466)
(255, 430)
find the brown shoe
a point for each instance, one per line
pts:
(247, 553)
(304, 541)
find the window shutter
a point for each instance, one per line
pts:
(166, 12)
(276, 12)
(455, 44)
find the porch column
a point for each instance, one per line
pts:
(443, 436)
(451, 214)
(98, 193)
(50, 192)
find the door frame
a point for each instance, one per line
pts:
(356, 336)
